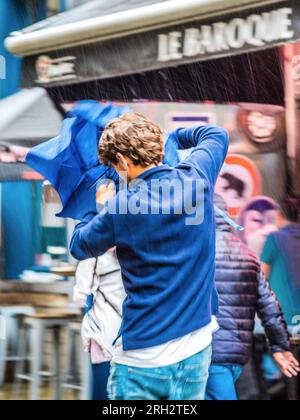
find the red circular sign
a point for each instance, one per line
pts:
(239, 181)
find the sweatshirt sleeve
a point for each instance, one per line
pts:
(83, 282)
(93, 236)
(210, 146)
(270, 313)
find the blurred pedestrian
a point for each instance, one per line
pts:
(100, 293)
(243, 291)
(281, 260)
(258, 217)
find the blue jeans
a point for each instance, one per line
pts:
(221, 382)
(182, 381)
(100, 374)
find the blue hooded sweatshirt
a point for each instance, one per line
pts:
(167, 260)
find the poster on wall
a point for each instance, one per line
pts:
(174, 120)
(239, 182)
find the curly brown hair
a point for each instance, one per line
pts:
(135, 137)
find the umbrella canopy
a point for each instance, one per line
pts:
(70, 161)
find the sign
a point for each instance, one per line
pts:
(254, 29)
(257, 30)
(55, 70)
(239, 181)
(174, 120)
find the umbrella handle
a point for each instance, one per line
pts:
(228, 219)
(98, 179)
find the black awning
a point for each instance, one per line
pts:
(252, 78)
(250, 30)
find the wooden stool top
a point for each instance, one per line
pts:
(33, 299)
(67, 271)
(53, 315)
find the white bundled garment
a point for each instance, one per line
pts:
(103, 321)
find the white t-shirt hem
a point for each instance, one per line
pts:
(168, 354)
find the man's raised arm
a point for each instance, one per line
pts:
(210, 148)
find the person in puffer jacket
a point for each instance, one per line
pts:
(243, 292)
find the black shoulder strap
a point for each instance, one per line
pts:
(97, 276)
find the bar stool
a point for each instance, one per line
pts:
(9, 335)
(39, 324)
(77, 374)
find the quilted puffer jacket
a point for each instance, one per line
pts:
(243, 292)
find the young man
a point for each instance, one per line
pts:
(243, 292)
(167, 257)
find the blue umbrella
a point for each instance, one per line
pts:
(70, 161)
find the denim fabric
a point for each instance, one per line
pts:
(182, 381)
(100, 374)
(221, 382)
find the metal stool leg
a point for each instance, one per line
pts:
(75, 374)
(68, 369)
(56, 363)
(86, 376)
(3, 356)
(9, 335)
(22, 357)
(37, 358)
(4, 341)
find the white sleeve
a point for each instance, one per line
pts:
(84, 281)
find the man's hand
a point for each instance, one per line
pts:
(105, 192)
(287, 363)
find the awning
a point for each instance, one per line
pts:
(28, 118)
(111, 38)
